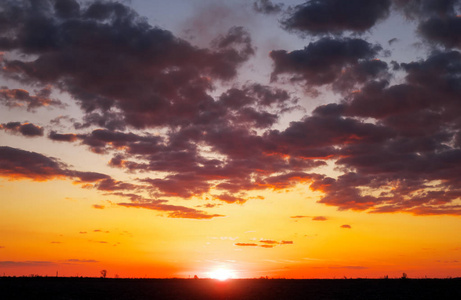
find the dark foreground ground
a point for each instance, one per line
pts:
(98, 288)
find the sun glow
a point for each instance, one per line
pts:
(222, 274)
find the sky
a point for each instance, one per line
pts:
(288, 139)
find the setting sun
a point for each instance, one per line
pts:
(222, 274)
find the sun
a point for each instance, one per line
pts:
(222, 274)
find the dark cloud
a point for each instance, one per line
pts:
(336, 16)
(397, 146)
(439, 20)
(173, 211)
(109, 59)
(230, 198)
(445, 31)
(110, 184)
(288, 180)
(321, 135)
(67, 8)
(422, 9)
(180, 185)
(60, 119)
(21, 98)
(26, 129)
(20, 164)
(344, 62)
(87, 177)
(69, 137)
(125, 73)
(237, 38)
(413, 162)
(267, 7)
(346, 226)
(107, 119)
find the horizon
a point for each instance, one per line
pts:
(313, 139)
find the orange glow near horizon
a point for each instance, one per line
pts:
(143, 243)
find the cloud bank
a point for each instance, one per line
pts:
(149, 100)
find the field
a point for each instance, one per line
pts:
(99, 288)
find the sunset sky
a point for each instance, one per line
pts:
(296, 139)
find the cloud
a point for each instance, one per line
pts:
(173, 211)
(270, 242)
(286, 243)
(16, 164)
(21, 98)
(28, 263)
(267, 7)
(413, 154)
(21, 164)
(129, 54)
(319, 218)
(343, 62)
(97, 206)
(393, 41)
(73, 260)
(423, 9)
(230, 198)
(336, 16)
(177, 100)
(394, 143)
(445, 31)
(439, 21)
(69, 137)
(26, 129)
(246, 244)
(264, 243)
(346, 226)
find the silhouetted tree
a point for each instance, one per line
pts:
(103, 273)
